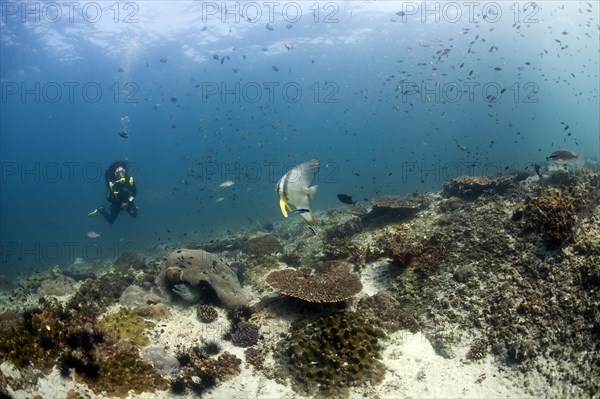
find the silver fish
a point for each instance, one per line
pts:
(562, 156)
(294, 188)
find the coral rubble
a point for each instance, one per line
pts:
(392, 208)
(385, 311)
(470, 187)
(553, 213)
(262, 245)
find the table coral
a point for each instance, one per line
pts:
(321, 287)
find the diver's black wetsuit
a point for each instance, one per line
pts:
(118, 193)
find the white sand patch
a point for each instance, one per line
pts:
(376, 276)
(415, 370)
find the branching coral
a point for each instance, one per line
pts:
(255, 357)
(245, 334)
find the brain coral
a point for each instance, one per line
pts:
(332, 353)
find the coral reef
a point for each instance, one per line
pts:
(206, 313)
(129, 261)
(395, 208)
(383, 310)
(322, 287)
(332, 353)
(123, 372)
(471, 187)
(223, 368)
(194, 267)
(423, 255)
(347, 227)
(70, 339)
(245, 334)
(255, 357)
(344, 248)
(162, 362)
(535, 309)
(553, 214)
(135, 295)
(451, 204)
(9, 321)
(478, 349)
(57, 286)
(157, 311)
(94, 296)
(260, 246)
(127, 324)
(201, 373)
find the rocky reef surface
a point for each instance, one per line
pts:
(499, 277)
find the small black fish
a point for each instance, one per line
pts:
(497, 69)
(268, 227)
(123, 133)
(163, 60)
(346, 199)
(275, 68)
(537, 169)
(400, 13)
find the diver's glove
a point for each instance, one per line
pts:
(131, 199)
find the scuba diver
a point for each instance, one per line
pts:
(120, 192)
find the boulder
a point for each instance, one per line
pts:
(195, 267)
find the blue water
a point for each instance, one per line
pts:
(351, 101)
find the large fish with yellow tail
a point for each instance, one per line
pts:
(295, 189)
